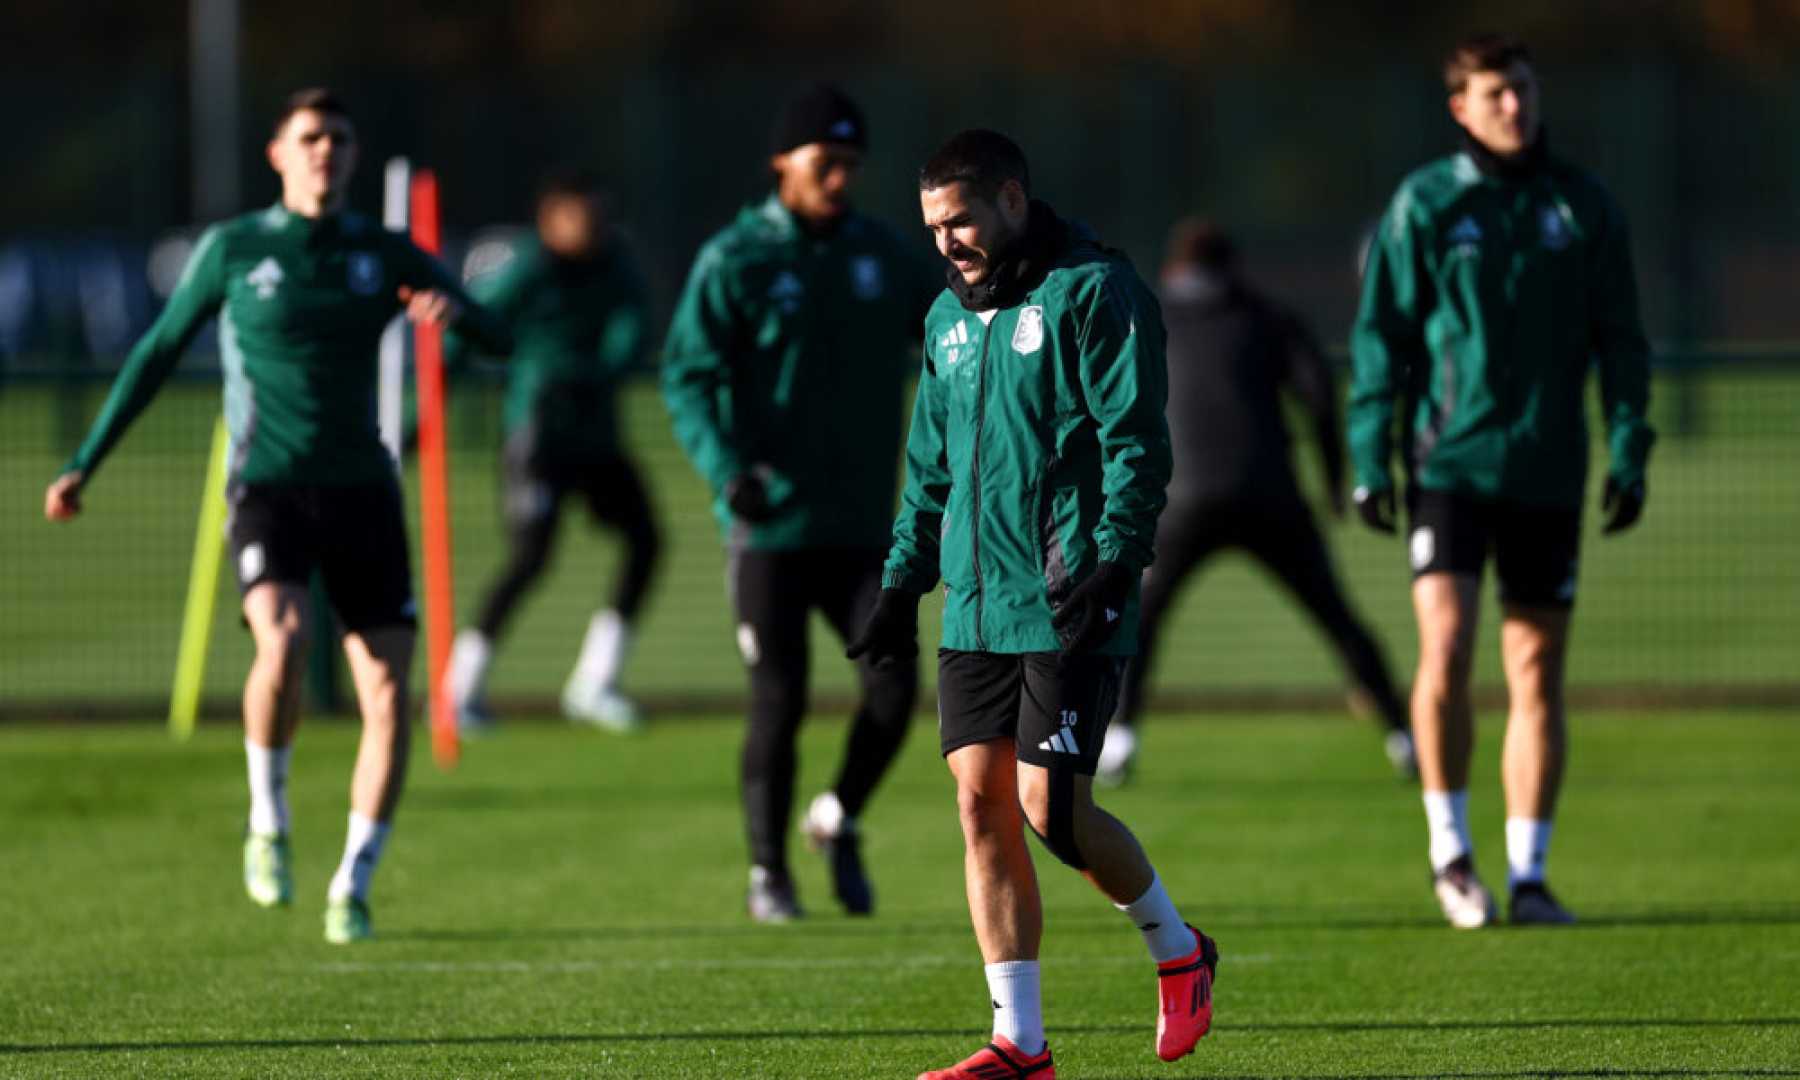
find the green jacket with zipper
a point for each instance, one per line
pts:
(301, 304)
(1038, 450)
(789, 355)
(1486, 300)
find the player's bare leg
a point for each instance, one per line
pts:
(1443, 715)
(280, 625)
(1534, 645)
(1000, 880)
(1114, 862)
(379, 662)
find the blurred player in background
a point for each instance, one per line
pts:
(303, 290)
(579, 315)
(1231, 354)
(1499, 276)
(785, 373)
(1035, 470)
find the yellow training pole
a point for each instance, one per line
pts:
(203, 589)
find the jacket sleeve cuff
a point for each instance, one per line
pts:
(906, 580)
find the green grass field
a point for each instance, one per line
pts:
(567, 904)
(1702, 593)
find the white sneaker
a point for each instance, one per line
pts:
(1401, 755)
(608, 710)
(1464, 899)
(1117, 756)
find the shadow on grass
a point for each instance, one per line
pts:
(1334, 1026)
(1214, 916)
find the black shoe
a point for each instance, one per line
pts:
(772, 898)
(1532, 905)
(843, 854)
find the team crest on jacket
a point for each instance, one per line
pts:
(364, 273)
(865, 277)
(787, 291)
(1553, 228)
(1028, 336)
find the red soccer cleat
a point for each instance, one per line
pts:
(998, 1060)
(1185, 987)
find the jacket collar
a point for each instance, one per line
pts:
(1020, 268)
(1495, 167)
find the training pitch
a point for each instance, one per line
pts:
(569, 904)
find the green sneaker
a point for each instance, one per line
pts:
(267, 876)
(347, 920)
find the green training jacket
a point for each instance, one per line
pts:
(579, 329)
(301, 305)
(789, 354)
(1038, 450)
(1485, 301)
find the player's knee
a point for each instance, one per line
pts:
(281, 652)
(777, 697)
(889, 694)
(1447, 655)
(985, 812)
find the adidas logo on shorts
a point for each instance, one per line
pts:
(1063, 741)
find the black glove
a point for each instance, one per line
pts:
(748, 498)
(1094, 610)
(1622, 505)
(1376, 508)
(891, 633)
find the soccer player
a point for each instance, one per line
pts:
(1232, 352)
(1499, 276)
(302, 290)
(785, 372)
(578, 311)
(1035, 470)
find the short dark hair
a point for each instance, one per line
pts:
(315, 98)
(1486, 51)
(984, 160)
(572, 184)
(1195, 240)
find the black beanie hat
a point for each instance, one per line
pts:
(820, 113)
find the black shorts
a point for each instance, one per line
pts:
(533, 485)
(1054, 708)
(354, 536)
(1536, 549)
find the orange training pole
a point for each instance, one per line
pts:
(434, 493)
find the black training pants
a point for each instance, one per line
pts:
(1282, 536)
(773, 594)
(532, 493)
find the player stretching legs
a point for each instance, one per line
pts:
(1232, 351)
(1497, 278)
(303, 290)
(1036, 468)
(577, 306)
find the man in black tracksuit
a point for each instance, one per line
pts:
(1231, 353)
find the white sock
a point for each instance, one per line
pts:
(362, 850)
(470, 657)
(1527, 846)
(1018, 1004)
(602, 652)
(1447, 824)
(268, 767)
(1154, 914)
